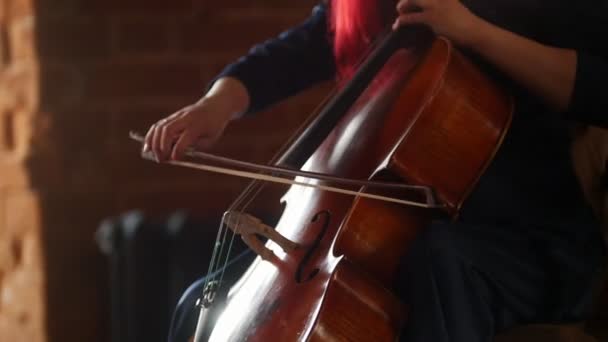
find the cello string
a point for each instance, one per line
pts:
(215, 263)
(305, 124)
(244, 205)
(218, 264)
(250, 189)
(218, 254)
(237, 229)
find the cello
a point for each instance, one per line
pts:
(420, 123)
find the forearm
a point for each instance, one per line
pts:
(283, 66)
(546, 71)
(567, 81)
(232, 93)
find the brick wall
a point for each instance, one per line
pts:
(22, 314)
(75, 77)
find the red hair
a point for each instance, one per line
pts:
(355, 24)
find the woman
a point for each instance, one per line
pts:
(526, 248)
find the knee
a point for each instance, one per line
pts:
(183, 321)
(192, 293)
(436, 241)
(436, 246)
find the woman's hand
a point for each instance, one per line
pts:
(546, 71)
(448, 18)
(199, 125)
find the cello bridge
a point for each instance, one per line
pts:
(247, 226)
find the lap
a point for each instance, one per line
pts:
(526, 274)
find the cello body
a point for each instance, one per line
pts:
(429, 117)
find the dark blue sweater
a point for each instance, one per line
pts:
(531, 180)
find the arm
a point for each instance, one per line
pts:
(546, 71)
(270, 72)
(565, 79)
(283, 66)
(589, 100)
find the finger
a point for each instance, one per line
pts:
(168, 135)
(409, 19)
(148, 139)
(402, 6)
(155, 146)
(184, 141)
(405, 6)
(153, 137)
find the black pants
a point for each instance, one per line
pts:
(465, 283)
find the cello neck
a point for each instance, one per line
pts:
(309, 140)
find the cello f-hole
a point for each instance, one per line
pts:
(325, 216)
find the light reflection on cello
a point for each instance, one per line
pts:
(437, 121)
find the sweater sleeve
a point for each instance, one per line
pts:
(589, 103)
(287, 64)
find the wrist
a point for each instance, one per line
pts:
(229, 96)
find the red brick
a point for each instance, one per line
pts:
(106, 67)
(78, 7)
(212, 64)
(23, 215)
(82, 138)
(20, 8)
(71, 92)
(7, 132)
(74, 267)
(21, 39)
(22, 310)
(75, 39)
(19, 88)
(14, 174)
(200, 35)
(23, 131)
(144, 80)
(60, 8)
(136, 35)
(211, 199)
(5, 257)
(207, 202)
(138, 6)
(5, 48)
(45, 160)
(261, 5)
